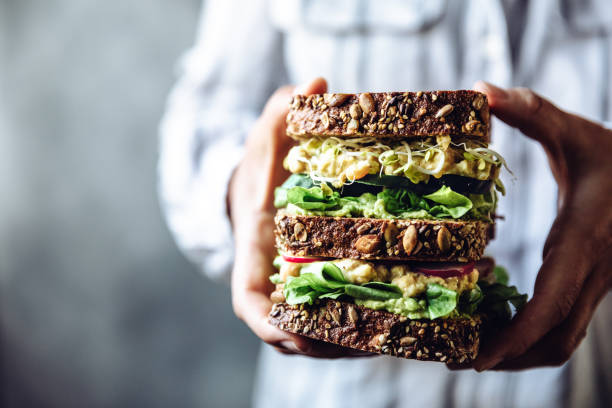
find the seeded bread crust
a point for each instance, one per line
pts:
(378, 331)
(396, 115)
(383, 239)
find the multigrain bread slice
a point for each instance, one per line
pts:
(378, 331)
(383, 239)
(397, 115)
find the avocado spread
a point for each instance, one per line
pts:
(405, 306)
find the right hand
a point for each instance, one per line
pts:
(250, 203)
(575, 274)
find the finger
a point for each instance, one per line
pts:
(529, 112)
(283, 350)
(253, 306)
(250, 289)
(559, 344)
(253, 309)
(251, 285)
(459, 367)
(256, 317)
(275, 145)
(323, 349)
(328, 351)
(557, 287)
(279, 102)
(316, 86)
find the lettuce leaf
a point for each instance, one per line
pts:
(320, 280)
(398, 201)
(276, 279)
(313, 198)
(325, 280)
(483, 205)
(373, 290)
(389, 203)
(450, 203)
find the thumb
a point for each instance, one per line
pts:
(522, 108)
(277, 105)
(316, 86)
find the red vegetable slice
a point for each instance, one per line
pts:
(444, 270)
(485, 266)
(299, 259)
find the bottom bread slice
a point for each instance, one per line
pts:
(349, 325)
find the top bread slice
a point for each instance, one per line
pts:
(391, 115)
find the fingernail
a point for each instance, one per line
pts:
(289, 345)
(301, 89)
(359, 353)
(491, 90)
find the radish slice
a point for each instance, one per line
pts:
(444, 270)
(485, 266)
(297, 259)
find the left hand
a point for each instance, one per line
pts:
(250, 203)
(576, 272)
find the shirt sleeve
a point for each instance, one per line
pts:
(224, 80)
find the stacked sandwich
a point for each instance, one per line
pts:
(382, 225)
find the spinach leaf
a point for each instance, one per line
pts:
(295, 180)
(501, 276)
(469, 300)
(378, 291)
(497, 298)
(387, 181)
(440, 300)
(320, 280)
(298, 180)
(388, 203)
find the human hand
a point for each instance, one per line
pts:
(576, 272)
(250, 200)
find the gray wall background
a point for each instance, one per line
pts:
(98, 308)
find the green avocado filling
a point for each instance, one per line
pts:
(383, 197)
(325, 280)
(409, 307)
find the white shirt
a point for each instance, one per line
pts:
(246, 49)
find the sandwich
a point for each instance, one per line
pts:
(382, 226)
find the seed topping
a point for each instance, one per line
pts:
(409, 240)
(366, 103)
(445, 110)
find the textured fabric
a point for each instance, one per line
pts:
(245, 49)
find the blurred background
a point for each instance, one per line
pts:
(98, 307)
